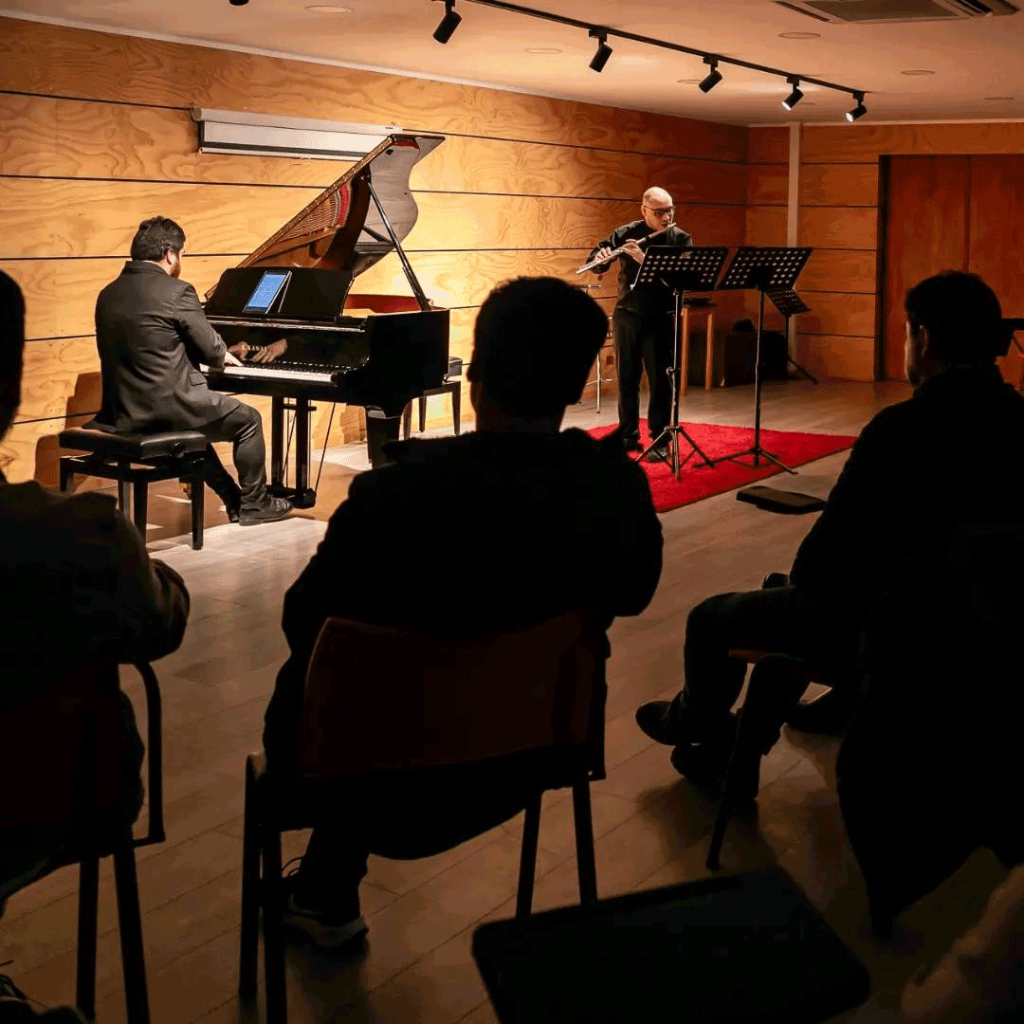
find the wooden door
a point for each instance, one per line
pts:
(996, 239)
(926, 232)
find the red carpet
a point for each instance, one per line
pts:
(697, 480)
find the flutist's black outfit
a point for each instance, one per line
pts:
(642, 323)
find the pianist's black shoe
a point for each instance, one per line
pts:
(631, 444)
(269, 512)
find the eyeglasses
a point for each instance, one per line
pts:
(660, 211)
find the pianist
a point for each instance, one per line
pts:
(152, 334)
(523, 506)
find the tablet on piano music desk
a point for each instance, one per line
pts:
(269, 287)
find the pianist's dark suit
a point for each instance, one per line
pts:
(509, 529)
(152, 334)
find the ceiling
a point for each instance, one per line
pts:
(977, 68)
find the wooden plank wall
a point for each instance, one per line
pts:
(840, 215)
(96, 135)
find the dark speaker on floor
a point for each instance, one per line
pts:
(732, 360)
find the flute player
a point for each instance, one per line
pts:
(642, 320)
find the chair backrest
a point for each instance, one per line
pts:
(381, 699)
(60, 751)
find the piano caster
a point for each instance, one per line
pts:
(300, 499)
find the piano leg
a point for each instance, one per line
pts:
(301, 495)
(304, 497)
(380, 429)
(277, 442)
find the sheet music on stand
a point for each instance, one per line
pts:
(692, 270)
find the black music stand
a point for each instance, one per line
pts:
(789, 304)
(693, 269)
(766, 268)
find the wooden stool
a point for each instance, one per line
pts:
(135, 460)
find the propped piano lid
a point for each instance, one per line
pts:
(342, 228)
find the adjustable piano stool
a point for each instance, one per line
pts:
(136, 460)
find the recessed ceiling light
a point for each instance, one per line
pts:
(799, 35)
(542, 49)
(328, 9)
(917, 71)
(688, 81)
(998, 99)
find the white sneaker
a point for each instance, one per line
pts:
(326, 933)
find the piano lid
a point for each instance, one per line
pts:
(342, 229)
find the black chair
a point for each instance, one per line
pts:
(451, 385)
(547, 680)
(135, 461)
(749, 947)
(64, 747)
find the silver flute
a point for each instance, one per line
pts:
(622, 248)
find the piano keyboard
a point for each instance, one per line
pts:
(277, 372)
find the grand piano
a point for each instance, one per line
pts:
(377, 351)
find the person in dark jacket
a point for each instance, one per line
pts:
(962, 422)
(152, 336)
(504, 522)
(642, 320)
(82, 597)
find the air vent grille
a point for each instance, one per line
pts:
(875, 11)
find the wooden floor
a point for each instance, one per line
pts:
(652, 827)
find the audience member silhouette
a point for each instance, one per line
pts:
(502, 527)
(947, 455)
(80, 589)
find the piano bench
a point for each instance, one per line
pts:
(448, 387)
(135, 460)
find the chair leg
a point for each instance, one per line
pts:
(457, 407)
(528, 857)
(776, 683)
(250, 890)
(124, 494)
(423, 412)
(406, 421)
(129, 917)
(585, 865)
(198, 497)
(88, 899)
(141, 505)
(273, 926)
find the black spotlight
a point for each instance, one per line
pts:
(858, 111)
(795, 96)
(449, 23)
(713, 78)
(603, 52)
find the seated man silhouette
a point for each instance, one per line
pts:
(962, 424)
(152, 335)
(511, 524)
(80, 588)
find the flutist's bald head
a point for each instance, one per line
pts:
(657, 208)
